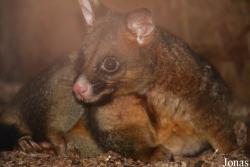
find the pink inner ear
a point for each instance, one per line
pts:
(141, 24)
(87, 12)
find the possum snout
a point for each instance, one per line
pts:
(82, 88)
(91, 91)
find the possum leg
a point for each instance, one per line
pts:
(80, 138)
(219, 132)
(58, 142)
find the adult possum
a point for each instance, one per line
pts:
(128, 54)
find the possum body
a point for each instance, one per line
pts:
(45, 108)
(128, 54)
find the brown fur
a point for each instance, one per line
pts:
(125, 127)
(189, 99)
(122, 126)
(46, 109)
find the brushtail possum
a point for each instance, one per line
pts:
(128, 54)
(45, 109)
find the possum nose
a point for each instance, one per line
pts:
(80, 90)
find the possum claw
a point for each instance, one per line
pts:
(27, 144)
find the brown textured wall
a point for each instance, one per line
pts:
(35, 32)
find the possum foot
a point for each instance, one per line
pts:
(27, 144)
(72, 152)
(162, 154)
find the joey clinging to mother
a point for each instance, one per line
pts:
(129, 54)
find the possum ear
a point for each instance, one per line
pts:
(87, 12)
(140, 24)
(92, 10)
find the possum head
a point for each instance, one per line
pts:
(117, 55)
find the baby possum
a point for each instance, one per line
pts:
(45, 108)
(128, 54)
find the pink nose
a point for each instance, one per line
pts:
(80, 90)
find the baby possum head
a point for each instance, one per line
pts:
(117, 56)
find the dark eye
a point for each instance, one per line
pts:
(110, 64)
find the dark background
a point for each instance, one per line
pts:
(34, 32)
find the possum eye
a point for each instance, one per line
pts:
(110, 64)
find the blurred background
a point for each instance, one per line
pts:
(34, 33)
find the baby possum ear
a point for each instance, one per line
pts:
(141, 26)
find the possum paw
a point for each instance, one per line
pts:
(72, 152)
(162, 154)
(27, 144)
